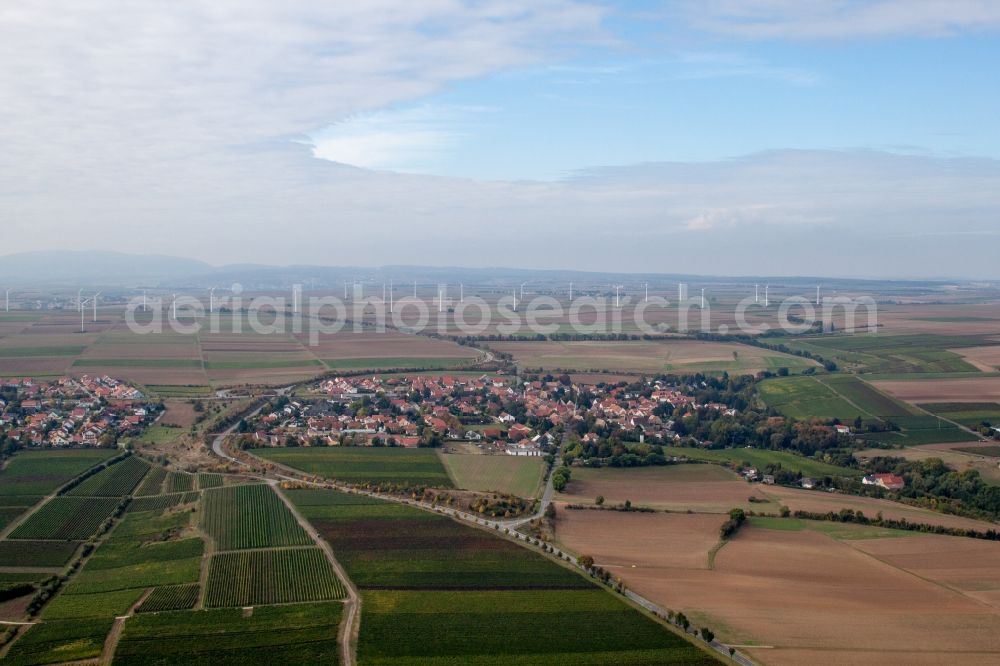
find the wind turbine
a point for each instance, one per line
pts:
(817, 294)
(571, 291)
(756, 294)
(766, 287)
(79, 300)
(175, 307)
(390, 295)
(647, 293)
(143, 300)
(618, 295)
(522, 290)
(515, 300)
(95, 305)
(702, 298)
(211, 300)
(461, 292)
(7, 296)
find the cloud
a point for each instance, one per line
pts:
(412, 139)
(838, 19)
(715, 65)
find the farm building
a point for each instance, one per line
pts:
(887, 481)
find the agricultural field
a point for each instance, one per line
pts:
(761, 458)
(408, 467)
(443, 628)
(206, 481)
(673, 356)
(517, 475)
(67, 518)
(42, 472)
(240, 517)
(20, 553)
(433, 588)
(59, 641)
(930, 594)
(152, 483)
(894, 354)
(975, 390)
(172, 597)
(710, 488)
(117, 480)
(368, 349)
(143, 551)
(843, 397)
(178, 482)
(159, 502)
(291, 634)
(969, 414)
(261, 577)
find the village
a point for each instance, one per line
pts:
(81, 411)
(499, 414)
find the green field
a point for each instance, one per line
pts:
(143, 551)
(159, 434)
(152, 484)
(840, 531)
(66, 518)
(257, 577)
(209, 481)
(407, 467)
(263, 364)
(174, 597)
(761, 458)
(117, 480)
(969, 414)
(42, 472)
(178, 482)
(843, 397)
(893, 354)
(168, 391)
(155, 502)
(20, 553)
(516, 475)
(24, 352)
(450, 628)
(294, 634)
(55, 642)
(240, 517)
(993, 451)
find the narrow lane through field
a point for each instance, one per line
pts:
(351, 626)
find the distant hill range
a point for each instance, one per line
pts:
(120, 270)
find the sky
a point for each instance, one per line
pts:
(727, 137)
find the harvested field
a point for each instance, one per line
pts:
(702, 488)
(986, 359)
(180, 413)
(668, 356)
(389, 345)
(822, 502)
(803, 592)
(669, 540)
(981, 389)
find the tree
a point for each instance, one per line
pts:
(683, 621)
(707, 634)
(599, 501)
(586, 561)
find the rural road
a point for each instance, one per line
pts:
(542, 505)
(349, 629)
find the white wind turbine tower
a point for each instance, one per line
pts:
(817, 294)
(414, 289)
(82, 313)
(702, 298)
(7, 297)
(143, 300)
(766, 287)
(522, 291)
(95, 304)
(345, 290)
(515, 299)
(390, 295)
(756, 294)
(211, 300)
(174, 304)
(618, 295)
(571, 291)
(646, 298)
(79, 300)
(461, 292)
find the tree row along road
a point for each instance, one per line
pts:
(281, 472)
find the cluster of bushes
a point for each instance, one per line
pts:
(736, 519)
(560, 478)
